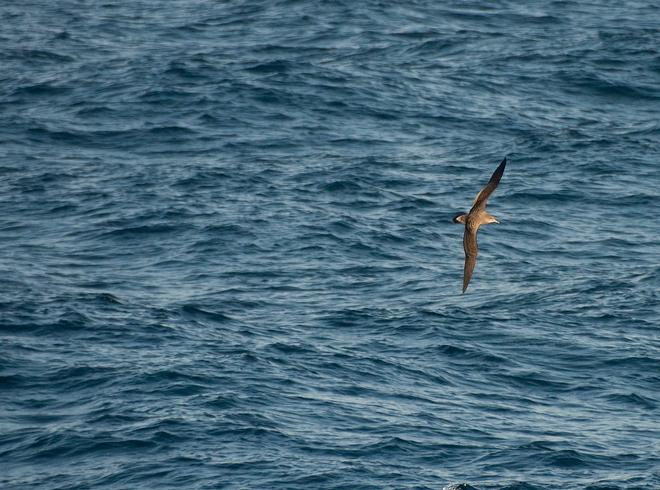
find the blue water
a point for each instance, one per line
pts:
(228, 260)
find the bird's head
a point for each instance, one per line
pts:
(459, 218)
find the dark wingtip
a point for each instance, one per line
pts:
(499, 171)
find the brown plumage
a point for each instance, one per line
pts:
(474, 219)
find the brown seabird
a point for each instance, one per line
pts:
(474, 219)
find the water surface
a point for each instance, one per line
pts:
(228, 261)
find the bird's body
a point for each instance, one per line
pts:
(476, 217)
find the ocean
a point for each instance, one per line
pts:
(227, 255)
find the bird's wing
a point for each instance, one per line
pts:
(471, 250)
(482, 197)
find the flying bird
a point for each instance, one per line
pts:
(476, 217)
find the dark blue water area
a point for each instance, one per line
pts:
(227, 255)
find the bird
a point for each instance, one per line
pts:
(473, 219)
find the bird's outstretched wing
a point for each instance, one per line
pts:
(482, 197)
(471, 250)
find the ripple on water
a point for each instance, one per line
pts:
(228, 257)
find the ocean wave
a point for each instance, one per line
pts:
(228, 257)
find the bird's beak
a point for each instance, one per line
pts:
(497, 222)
